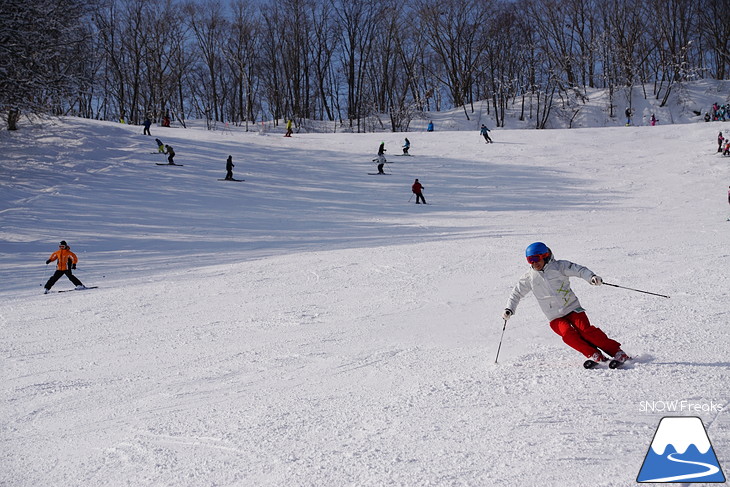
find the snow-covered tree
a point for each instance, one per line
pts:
(41, 53)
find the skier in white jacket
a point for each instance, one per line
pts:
(549, 281)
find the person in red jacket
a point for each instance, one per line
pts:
(417, 189)
(66, 261)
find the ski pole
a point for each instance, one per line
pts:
(45, 275)
(500, 341)
(409, 199)
(632, 289)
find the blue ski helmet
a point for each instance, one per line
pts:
(537, 248)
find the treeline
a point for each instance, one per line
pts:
(348, 61)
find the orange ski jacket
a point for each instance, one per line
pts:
(64, 257)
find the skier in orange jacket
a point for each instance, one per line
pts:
(67, 260)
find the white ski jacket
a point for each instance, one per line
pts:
(551, 287)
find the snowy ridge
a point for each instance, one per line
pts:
(310, 327)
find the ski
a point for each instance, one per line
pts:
(231, 180)
(592, 364)
(615, 364)
(379, 173)
(69, 290)
(161, 164)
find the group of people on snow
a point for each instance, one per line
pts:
(718, 113)
(547, 278)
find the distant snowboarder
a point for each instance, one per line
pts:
(147, 124)
(67, 261)
(289, 128)
(549, 281)
(417, 189)
(406, 146)
(229, 168)
(653, 120)
(484, 131)
(430, 127)
(160, 146)
(628, 116)
(720, 138)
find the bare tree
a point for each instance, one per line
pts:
(454, 34)
(208, 24)
(713, 27)
(359, 21)
(321, 50)
(240, 51)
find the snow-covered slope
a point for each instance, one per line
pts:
(311, 326)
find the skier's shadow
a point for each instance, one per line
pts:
(645, 359)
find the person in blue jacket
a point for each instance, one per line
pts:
(485, 133)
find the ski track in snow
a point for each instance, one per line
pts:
(309, 327)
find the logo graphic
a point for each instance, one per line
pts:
(681, 452)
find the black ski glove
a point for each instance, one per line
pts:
(48, 262)
(73, 266)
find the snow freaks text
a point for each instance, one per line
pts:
(680, 406)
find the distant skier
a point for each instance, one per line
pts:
(549, 281)
(720, 138)
(653, 120)
(160, 146)
(288, 128)
(170, 155)
(406, 146)
(484, 131)
(147, 124)
(229, 168)
(67, 260)
(381, 158)
(628, 116)
(430, 127)
(417, 189)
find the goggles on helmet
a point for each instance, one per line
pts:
(532, 259)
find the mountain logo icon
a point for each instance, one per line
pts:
(681, 452)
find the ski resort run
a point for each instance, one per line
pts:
(313, 326)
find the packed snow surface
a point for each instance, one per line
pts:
(312, 326)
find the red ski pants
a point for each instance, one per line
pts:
(579, 334)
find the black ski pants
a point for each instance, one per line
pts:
(57, 275)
